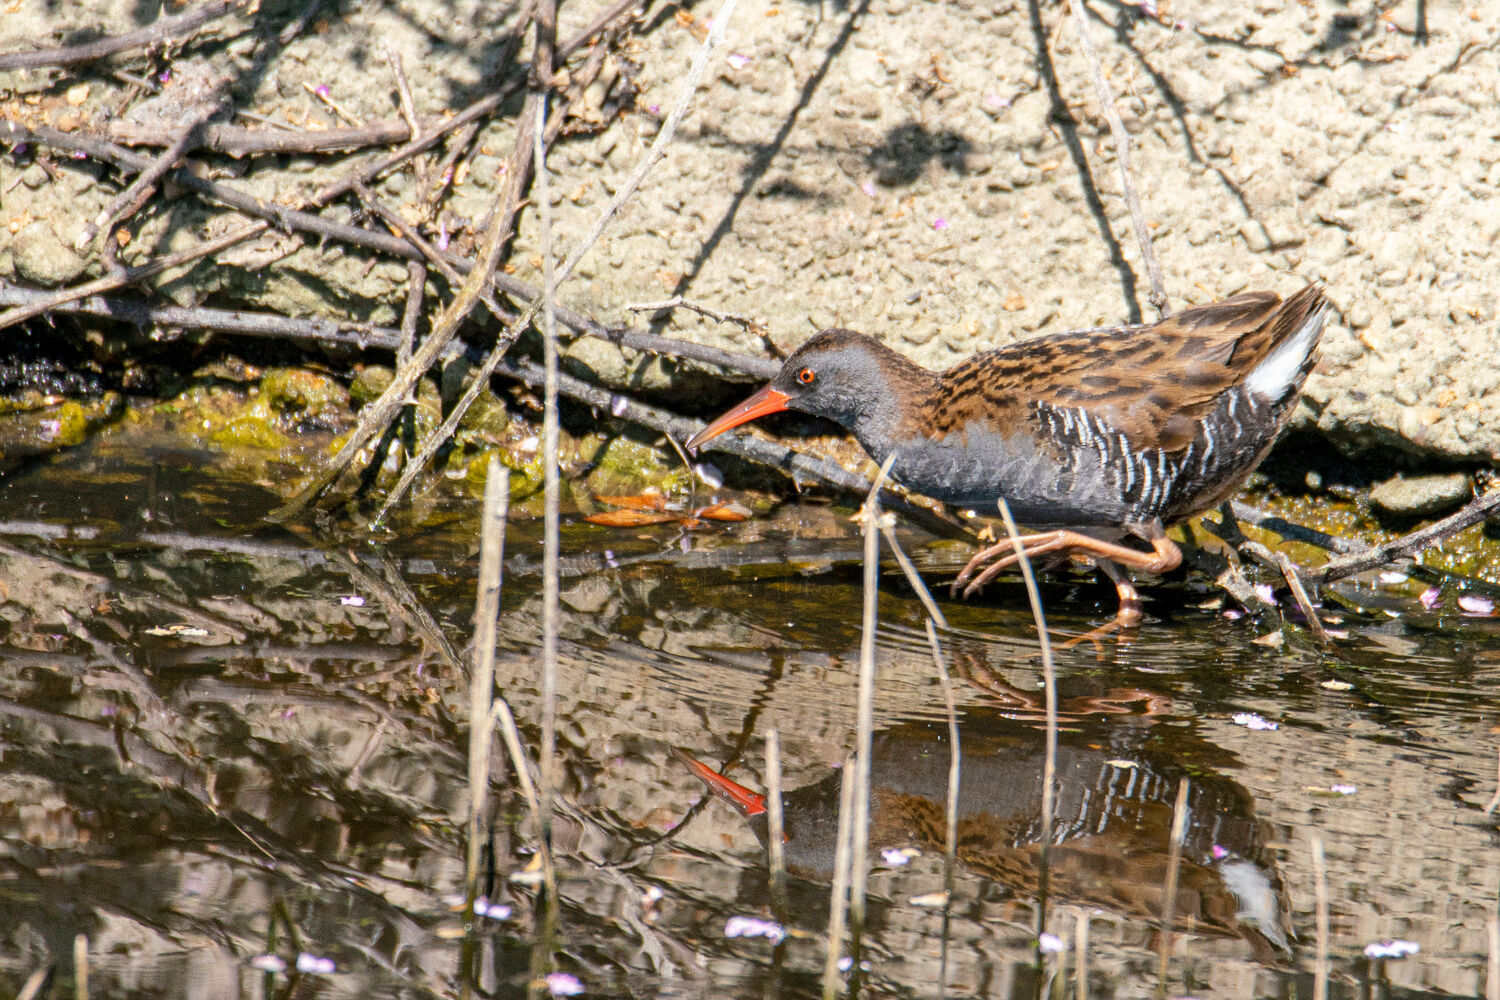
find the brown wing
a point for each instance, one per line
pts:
(1153, 383)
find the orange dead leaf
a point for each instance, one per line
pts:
(651, 502)
(629, 518)
(729, 510)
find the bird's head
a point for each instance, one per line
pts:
(838, 374)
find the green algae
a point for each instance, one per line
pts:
(1471, 552)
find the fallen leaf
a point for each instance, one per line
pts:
(729, 510)
(652, 502)
(629, 518)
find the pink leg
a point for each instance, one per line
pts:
(1164, 556)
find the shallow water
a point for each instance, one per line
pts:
(214, 729)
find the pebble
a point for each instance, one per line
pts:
(1422, 496)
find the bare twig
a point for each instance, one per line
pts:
(327, 331)
(1292, 531)
(1299, 594)
(1122, 153)
(130, 200)
(159, 32)
(678, 302)
(36, 983)
(416, 286)
(552, 481)
(1407, 545)
(237, 141)
(653, 155)
(81, 967)
(116, 279)
(912, 576)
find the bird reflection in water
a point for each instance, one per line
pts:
(1117, 779)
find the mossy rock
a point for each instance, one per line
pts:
(625, 465)
(305, 394)
(527, 475)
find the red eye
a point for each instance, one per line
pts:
(807, 376)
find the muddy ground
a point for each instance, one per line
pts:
(937, 174)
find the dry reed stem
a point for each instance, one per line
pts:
(482, 677)
(913, 577)
(35, 983)
(838, 909)
(1049, 683)
(1169, 891)
(775, 826)
(81, 967)
(950, 809)
(501, 715)
(548, 294)
(542, 961)
(864, 724)
(1320, 888)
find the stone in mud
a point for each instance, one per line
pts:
(41, 257)
(1422, 496)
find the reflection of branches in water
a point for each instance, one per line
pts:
(154, 782)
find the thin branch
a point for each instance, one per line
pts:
(238, 141)
(950, 806)
(117, 279)
(653, 155)
(327, 331)
(416, 288)
(1407, 545)
(546, 30)
(159, 32)
(129, 201)
(1299, 594)
(678, 302)
(1122, 153)
(838, 910)
(912, 576)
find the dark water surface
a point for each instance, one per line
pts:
(214, 729)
